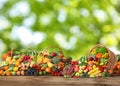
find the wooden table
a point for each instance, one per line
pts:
(57, 81)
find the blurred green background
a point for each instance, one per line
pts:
(73, 25)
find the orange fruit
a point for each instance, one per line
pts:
(118, 62)
(6, 67)
(48, 70)
(8, 73)
(4, 56)
(19, 60)
(1, 72)
(110, 71)
(17, 63)
(43, 68)
(118, 66)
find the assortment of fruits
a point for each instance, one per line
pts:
(116, 69)
(54, 62)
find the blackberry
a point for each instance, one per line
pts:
(31, 72)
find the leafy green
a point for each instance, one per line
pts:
(101, 49)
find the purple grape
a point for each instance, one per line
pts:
(95, 59)
(90, 58)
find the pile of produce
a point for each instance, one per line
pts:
(53, 62)
(116, 69)
(30, 62)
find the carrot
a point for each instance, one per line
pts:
(99, 55)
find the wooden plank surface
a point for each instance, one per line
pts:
(57, 81)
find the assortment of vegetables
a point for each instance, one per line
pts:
(54, 62)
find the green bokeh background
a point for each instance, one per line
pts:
(73, 25)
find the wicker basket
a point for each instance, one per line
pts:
(112, 58)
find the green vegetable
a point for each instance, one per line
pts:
(85, 75)
(44, 65)
(103, 60)
(83, 60)
(101, 49)
(55, 60)
(105, 74)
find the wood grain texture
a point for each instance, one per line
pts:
(57, 81)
